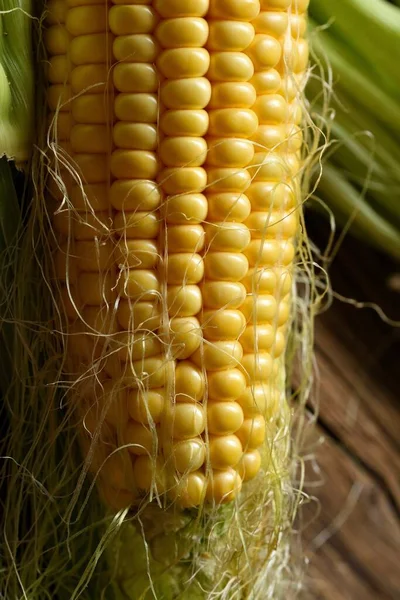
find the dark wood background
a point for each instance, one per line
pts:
(353, 541)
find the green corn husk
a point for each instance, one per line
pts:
(360, 181)
(16, 80)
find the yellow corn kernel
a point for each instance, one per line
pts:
(224, 418)
(144, 106)
(69, 301)
(250, 465)
(188, 455)
(86, 19)
(222, 325)
(184, 267)
(228, 206)
(146, 406)
(272, 225)
(100, 320)
(94, 79)
(272, 23)
(270, 195)
(229, 152)
(218, 355)
(135, 136)
(223, 486)
(150, 474)
(93, 255)
(186, 420)
(229, 36)
(269, 252)
(230, 66)
(56, 40)
(223, 294)
(232, 9)
(92, 139)
(266, 82)
(227, 237)
(58, 69)
(252, 433)
(183, 181)
(262, 308)
(139, 315)
(228, 180)
(56, 11)
(135, 346)
(261, 337)
(61, 123)
(185, 336)
(138, 164)
(91, 168)
(271, 109)
(224, 450)
(93, 197)
(183, 300)
(140, 284)
(183, 151)
(225, 266)
(189, 382)
(232, 94)
(95, 48)
(185, 238)
(226, 386)
(141, 439)
(130, 19)
(135, 194)
(135, 77)
(116, 499)
(137, 254)
(191, 489)
(255, 399)
(257, 368)
(191, 93)
(185, 209)
(138, 48)
(181, 8)
(182, 32)
(232, 122)
(117, 471)
(184, 122)
(95, 289)
(265, 52)
(137, 225)
(183, 62)
(59, 97)
(91, 108)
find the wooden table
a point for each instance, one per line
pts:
(353, 543)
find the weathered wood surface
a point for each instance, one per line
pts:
(354, 542)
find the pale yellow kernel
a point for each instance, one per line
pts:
(283, 312)
(56, 11)
(245, 10)
(298, 25)
(95, 79)
(183, 151)
(138, 48)
(232, 122)
(189, 382)
(227, 237)
(58, 69)
(250, 465)
(262, 308)
(255, 399)
(184, 337)
(270, 137)
(181, 8)
(95, 48)
(184, 122)
(265, 52)
(182, 32)
(93, 255)
(183, 300)
(222, 324)
(186, 420)
(275, 4)
(135, 195)
(224, 418)
(100, 319)
(144, 107)
(258, 337)
(184, 267)
(58, 97)
(191, 490)
(147, 373)
(123, 1)
(139, 315)
(146, 406)
(229, 152)
(93, 139)
(271, 108)
(56, 39)
(185, 238)
(137, 253)
(226, 386)
(183, 62)
(191, 93)
(82, 227)
(124, 20)
(224, 450)
(117, 499)
(272, 166)
(184, 180)
(93, 197)
(270, 195)
(95, 288)
(252, 433)
(223, 294)
(260, 280)
(272, 225)
(135, 136)
(139, 285)
(135, 77)
(228, 180)
(72, 3)
(269, 252)
(229, 36)
(150, 474)
(135, 164)
(223, 486)
(92, 168)
(117, 471)
(302, 56)
(91, 108)
(225, 266)
(272, 23)
(186, 209)
(228, 207)
(188, 455)
(257, 367)
(232, 94)
(266, 82)
(86, 19)
(215, 356)
(139, 345)
(230, 66)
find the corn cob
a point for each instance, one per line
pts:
(176, 236)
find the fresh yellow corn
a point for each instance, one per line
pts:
(177, 239)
